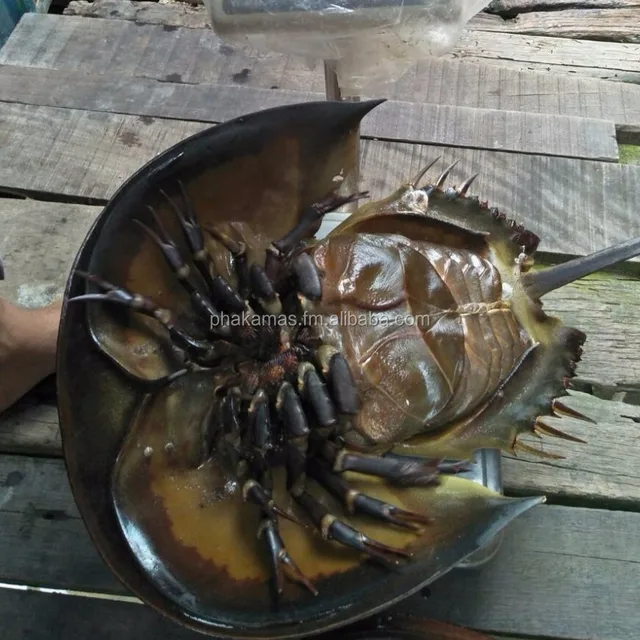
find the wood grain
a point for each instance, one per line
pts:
(606, 60)
(198, 55)
(180, 14)
(556, 560)
(394, 120)
(434, 80)
(576, 206)
(38, 244)
(611, 25)
(513, 7)
(79, 154)
(78, 617)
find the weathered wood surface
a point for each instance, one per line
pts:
(143, 12)
(561, 566)
(606, 60)
(38, 243)
(576, 206)
(34, 615)
(433, 81)
(79, 154)
(453, 126)
(175, 52)
(611, 25)
(514, 7)
(615, 21)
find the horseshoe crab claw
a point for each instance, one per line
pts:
(190, 442)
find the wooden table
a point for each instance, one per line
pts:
(84, 102)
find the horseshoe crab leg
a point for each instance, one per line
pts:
(203, 306)
(203, 352)
(257, 489)
(312, 218)
(193, 234)
(403, 473)
(308, 224)
(357, 502)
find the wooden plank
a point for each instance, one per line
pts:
(198, 55)
(394, 120)
(75, 616)
(514, 7)
(597, 201)
(202, 57)
(606, 60)
(612, 25)
(79, 154)
(490, 87)
(180, 14)
(548, 579)
(38, 243)
(89, 154)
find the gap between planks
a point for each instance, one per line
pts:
(39, 242)
(123, 48)
(453, 126)
(550, 577)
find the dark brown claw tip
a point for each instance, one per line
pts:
(561, 409)
(1, 270)
(540, 428)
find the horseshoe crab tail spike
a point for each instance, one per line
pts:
(1, 270)
(539, 283)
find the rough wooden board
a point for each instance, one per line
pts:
(435, 81)
(567, 565)
(85, 154)
(513, 7)
(38, 243)
(611, 25)
(76, 617)
(89, 154)
(143, 12)
(198, 55)
(549, 579)
(157, 51)
(30, 428)
(591, 472)
(606, 60)
(394, 120)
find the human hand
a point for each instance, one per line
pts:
(28, 340)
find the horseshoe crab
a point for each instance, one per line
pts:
(245, 463)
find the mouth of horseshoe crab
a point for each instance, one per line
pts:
(206, 423)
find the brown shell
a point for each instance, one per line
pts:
(451, 352)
